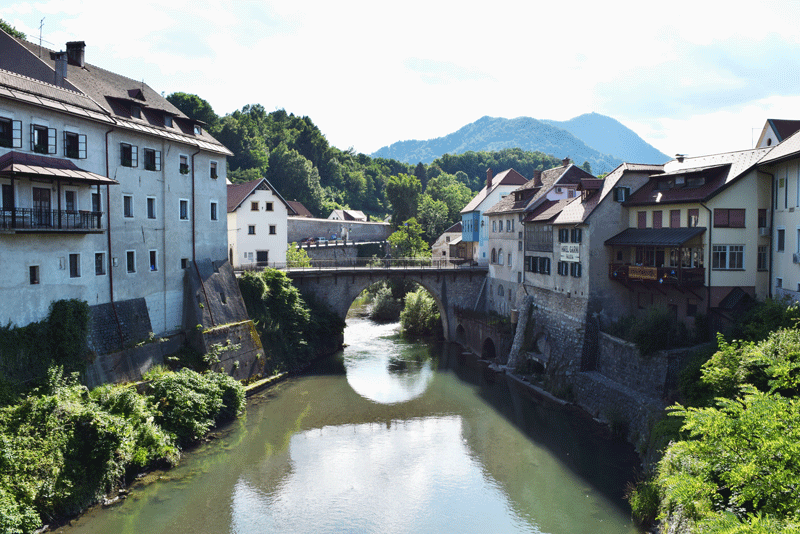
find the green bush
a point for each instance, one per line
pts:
(385, 308)
(643, 498)
(420, 315)
(765, 317)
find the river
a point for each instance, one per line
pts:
(389, 436)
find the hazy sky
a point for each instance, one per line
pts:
(695, 78)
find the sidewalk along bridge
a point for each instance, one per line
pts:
(338, 283)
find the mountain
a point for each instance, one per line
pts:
(609, 136)
(556, 139)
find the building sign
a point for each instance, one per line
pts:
(642, 273)
(570, 252)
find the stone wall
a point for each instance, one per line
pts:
(557, 324)
(332, 252)
(129, 364)
(113, 327)
(237, 347)
(302, 227)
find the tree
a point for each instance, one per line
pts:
(448, 189)
(421, 174)
(402, 191)
(407, 241)
(295, 178)
(432, 217)
(587, 167)
(12, 31)
(194, 107)
(297, 257)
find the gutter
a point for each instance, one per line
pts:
(710, 233)
(108, 235)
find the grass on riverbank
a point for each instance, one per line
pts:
(63, 447)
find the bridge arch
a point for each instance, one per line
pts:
(449, 287)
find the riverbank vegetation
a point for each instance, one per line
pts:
(294, 329)
(63, 447)
(658, 329)
(731, 448)
(420, 315)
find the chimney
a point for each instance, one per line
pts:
(566, 161)
(61, 69)
(537, 178)
(680, 157)
(75, 51)
(489, 176)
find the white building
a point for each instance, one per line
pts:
(109, 192)
(257, 225)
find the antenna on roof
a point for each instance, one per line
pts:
(41, 25)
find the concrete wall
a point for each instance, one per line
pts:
(302, 227)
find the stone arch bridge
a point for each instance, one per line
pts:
(452, 287)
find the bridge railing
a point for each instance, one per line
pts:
(363, 264)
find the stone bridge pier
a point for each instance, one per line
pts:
(450, 288)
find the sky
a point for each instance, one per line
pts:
(688, 77)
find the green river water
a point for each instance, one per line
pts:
(388, 437)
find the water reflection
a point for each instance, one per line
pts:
(381, 366)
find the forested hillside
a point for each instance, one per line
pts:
(296, 158)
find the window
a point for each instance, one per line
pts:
(500, 291)
(262, 256)
(254, 206)
(127, 206)
(74, 265)
(494, 226)
(500, 256)
(762, 258)
(674, 218)
(576, 234)
(213, 169)
(728, 218)
(130, 261)
(74, 145)
(779, 282)
(153, 260)
(509, 225)
(269, 206)
(184, 164)
(10, 133)
(544, 265)
(727, 257)
(43, 139)
(641, 219)
(691, 308)
(575, 269)
(69, 201)
(95, 202)
(694, 217)
(272, 229)
(762, 218)
(657, 219)
(168, 121)
(99, 263)
(621, 194)
(152, 159)
(214, 211)
(136, 111)
(197, 130)
(509, 259)
(563, 268)
(129, 155)
(151, 207)
(519, 246)
(780, 245)
(33, 274)
(494, 256)
(184, 210)
(563, 235)
(251, 229)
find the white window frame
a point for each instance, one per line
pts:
(728, 255)
(134, 155)
(51, 144)
(156, 159)
(81, 143)
(151, 201)
(181, 202)
(130, 266)
(133, 208)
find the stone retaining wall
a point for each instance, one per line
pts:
(301, 227)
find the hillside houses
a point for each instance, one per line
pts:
(109, 192)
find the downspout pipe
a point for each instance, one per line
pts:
(194, 246)
(108, 235)
(772, 206)
(710, 258)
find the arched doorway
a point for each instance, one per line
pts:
(488, 351)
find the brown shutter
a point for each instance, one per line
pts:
(675, 218)
(642, 219)
(736, 218)
(720, 218)
(657, 219)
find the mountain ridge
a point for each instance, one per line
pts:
(550, 137)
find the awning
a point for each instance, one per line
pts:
(36, 166)
(455, 241)
(655, 237)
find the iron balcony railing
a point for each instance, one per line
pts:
(364, 264)
(49, 220)
(688, 276)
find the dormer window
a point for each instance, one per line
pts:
(168, 121)
(136, 111)
(695, 181)
(198, 130)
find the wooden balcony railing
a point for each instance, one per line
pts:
(686, 276)
(50, 220)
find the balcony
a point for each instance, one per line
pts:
(34, 220)
(673, 276)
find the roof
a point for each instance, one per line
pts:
(455, 228)
(784, 128)
(547, 210)
(27, 73)
(655, 237)
(298, 210)
(533, 190)
(238, 193)
(350, 215)
(720, 171)
(507, 177)
(787, 149)
(37, 166)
